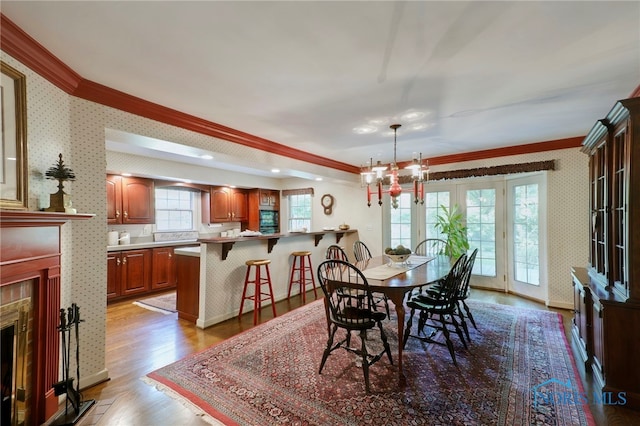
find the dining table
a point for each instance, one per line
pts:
(395, 280)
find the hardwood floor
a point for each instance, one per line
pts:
(140, 341)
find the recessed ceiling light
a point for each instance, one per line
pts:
(275, 170)
(318, 179)
(206, 157)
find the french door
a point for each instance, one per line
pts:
(504, 218)
(526, 239)
(483, 206)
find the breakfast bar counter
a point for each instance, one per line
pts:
(272, 239)
(222, 266)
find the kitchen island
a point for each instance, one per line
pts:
(223, 269)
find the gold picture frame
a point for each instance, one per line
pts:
(14, 190)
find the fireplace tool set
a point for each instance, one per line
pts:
(70, 320)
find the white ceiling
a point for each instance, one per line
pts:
(458, 76)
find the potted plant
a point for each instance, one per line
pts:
(451, 223)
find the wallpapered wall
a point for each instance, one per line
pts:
(58, 123)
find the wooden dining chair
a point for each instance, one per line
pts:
(350, 307)
(336, 252)
(361, 251)
(430, 247)
(462, 310)
(438, 312)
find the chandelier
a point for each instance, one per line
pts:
(375, 175)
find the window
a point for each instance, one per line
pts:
(299, 211)
(525, 234)
(174, 209)
(433, 202)
(481, 229)
(401, 222)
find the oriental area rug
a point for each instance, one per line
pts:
(516, 366)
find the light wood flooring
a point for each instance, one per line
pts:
(140, 341)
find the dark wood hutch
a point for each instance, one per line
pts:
(606, 324)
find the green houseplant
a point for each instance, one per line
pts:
(450, 222)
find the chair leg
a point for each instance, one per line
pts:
(293, 270)
(445, 331)
(365, 361)
(458, 330)
(383, 337)
(469, 315)
(244, 292)
(460, 315)
(257, 296)
(273, 302)
(327, 350)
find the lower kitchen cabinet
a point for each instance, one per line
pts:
(128, 273)
(163, 275)
(136, 272)
(188, 290)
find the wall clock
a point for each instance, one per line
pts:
(327, 202)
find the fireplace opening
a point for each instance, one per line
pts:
(15, 354)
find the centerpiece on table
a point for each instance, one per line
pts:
(400, 254)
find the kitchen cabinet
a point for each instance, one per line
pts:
(163, 274)
(188, 288)
(130, 200)
(128, 273)
(612, 280)
(261, 199)
(268, 199)
(228, 205)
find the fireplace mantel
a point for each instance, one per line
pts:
(13, 217)
(30, 249)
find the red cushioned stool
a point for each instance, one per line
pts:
(302, 265)
(258, 281)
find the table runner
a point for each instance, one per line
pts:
(387, 271)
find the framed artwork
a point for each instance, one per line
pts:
(13, 139)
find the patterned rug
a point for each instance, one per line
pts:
(165, 303)
(518, 370)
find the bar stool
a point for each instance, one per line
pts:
(258, 295)
(302, 265)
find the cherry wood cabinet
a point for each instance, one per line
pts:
(188, 288)
(128, 273)
(130, 200)
(268, 199)
(163, 274)
(261, 199)
(607, 318)
(227, 205)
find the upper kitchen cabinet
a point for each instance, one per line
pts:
(227, 205)
(130, 200)
(268, 199)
